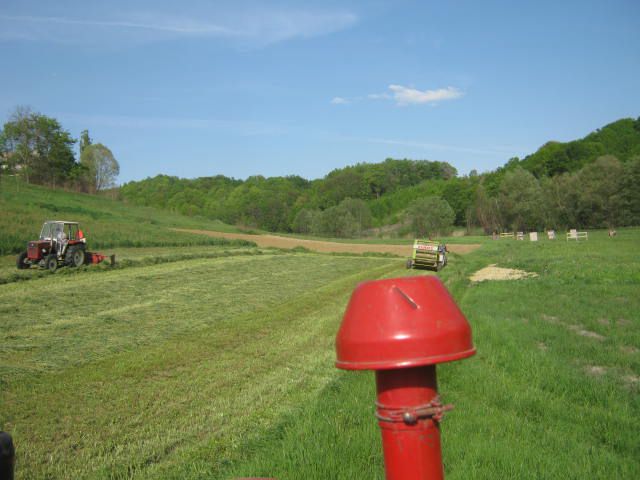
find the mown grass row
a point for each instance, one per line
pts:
(126, 259)
(165, 371)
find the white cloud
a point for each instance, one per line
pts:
(378, 96)
(339, 101)
(250, 28)
(409, 96)
(239, 127)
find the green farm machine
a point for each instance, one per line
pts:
(428, 254)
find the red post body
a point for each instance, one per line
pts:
(411, 449)
(402, 328)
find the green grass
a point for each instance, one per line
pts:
(530, 404)
(163, 371)
(106, 223)
(131, 257)
(217, 362)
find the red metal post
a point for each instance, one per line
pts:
(402, 328)
(410, 439)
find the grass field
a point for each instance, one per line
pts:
(106, 223)
(216, 361)
(552, 393)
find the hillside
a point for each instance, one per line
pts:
(106, 222)
(351, 200)
(620, 139)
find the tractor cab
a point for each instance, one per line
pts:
(61, 233)
(60, 242)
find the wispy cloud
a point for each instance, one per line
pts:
(255, 27)
(411, 96)
(339, 101)
(407, 96)
(181, 27)
(431, 146)
(129, 122)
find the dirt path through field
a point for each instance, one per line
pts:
(322, 246)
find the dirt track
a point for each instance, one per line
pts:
(322, 246)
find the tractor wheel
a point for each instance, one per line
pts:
(77, 258)
(51, 263)
(409, 263)
(21, 261)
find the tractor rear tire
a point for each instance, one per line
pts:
(51, 263)
(77, 258)
(21, 261)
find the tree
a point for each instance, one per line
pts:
(485, 211)
(601, 198)
(3, 154)
(359, 211)
(376, 178)
(520, 200)
(431, 216)
(38, 147)
(102, 167)
(630, 190)
(85, 141)
(304, 220)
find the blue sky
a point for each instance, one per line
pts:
(198, 88)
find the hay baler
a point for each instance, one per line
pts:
(428, 254)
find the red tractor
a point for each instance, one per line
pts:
(60, 243)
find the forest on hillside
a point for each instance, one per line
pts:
(587, 183)
(591, 182)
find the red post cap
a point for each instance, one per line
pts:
(402, 322)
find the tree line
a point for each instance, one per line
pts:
(590, 182)
(38, 149)
(586, 183)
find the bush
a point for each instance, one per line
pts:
(431, 216)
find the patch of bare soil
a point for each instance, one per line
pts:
(595, 370)
(275, 241)
(586, 333)
(575, 328)
(542, 346)
(629, 349)
(498, 273)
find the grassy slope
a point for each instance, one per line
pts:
(106, 223)
(530, 404)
